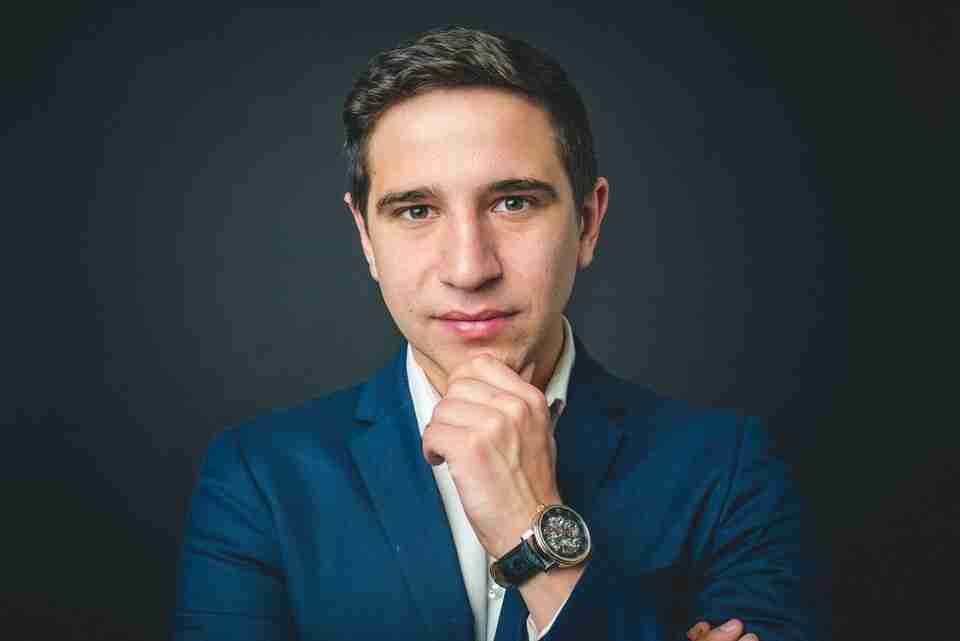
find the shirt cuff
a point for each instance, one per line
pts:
(533, 634)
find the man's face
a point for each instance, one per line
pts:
(470, 211)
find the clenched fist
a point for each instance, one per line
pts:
(494, 431)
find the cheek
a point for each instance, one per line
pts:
(394, 283)
(548, 271)
(399, 272)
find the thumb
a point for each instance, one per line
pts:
(527, 372)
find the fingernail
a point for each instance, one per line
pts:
(729, 626)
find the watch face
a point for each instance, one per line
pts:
(565, 534)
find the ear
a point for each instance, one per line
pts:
(364, 236)
(592, 211)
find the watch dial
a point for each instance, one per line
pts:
(563, 532)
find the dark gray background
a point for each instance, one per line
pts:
(178, 258)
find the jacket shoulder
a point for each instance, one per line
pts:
(663, 418)
(324, 420)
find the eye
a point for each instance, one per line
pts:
(417, 212)
(513, 203)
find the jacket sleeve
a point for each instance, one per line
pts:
(760, 565)
(229, 583)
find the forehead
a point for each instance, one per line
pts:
(462, 138)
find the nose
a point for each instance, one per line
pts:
(469, 259)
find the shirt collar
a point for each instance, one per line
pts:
(425, 396)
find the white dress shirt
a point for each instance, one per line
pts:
(485, 596)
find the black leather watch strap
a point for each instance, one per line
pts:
(518, 565)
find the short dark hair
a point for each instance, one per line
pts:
(455, 56)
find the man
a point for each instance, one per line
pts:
(492, 481)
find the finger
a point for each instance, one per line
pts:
(467, 414)
(483, 393)
(697, 630)
(527, 372)
(729, 631)
(492, 371)
(488, 368)
(441, 442)
(750, 637)
(473, 390)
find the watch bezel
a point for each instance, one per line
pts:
(545, 548)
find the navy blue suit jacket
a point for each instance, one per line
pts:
(323, 521)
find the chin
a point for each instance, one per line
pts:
(511, 355)
(512, 348)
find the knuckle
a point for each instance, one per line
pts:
(541, 403)
(537, 403)
(474, 441)
(462, 369)
(514, 407)
(441, 410)
(542, 413)
(496, 425)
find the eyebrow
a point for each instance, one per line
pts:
(522, 184)
(419, 194)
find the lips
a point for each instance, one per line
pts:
(479, 316)
(484, 324)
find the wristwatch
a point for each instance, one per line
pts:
(558, 537)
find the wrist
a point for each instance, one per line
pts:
(558, 538)
(558, 582)
(516, 530)
(545, 593)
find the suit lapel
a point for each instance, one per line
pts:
(588, 432)
(404, 493)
